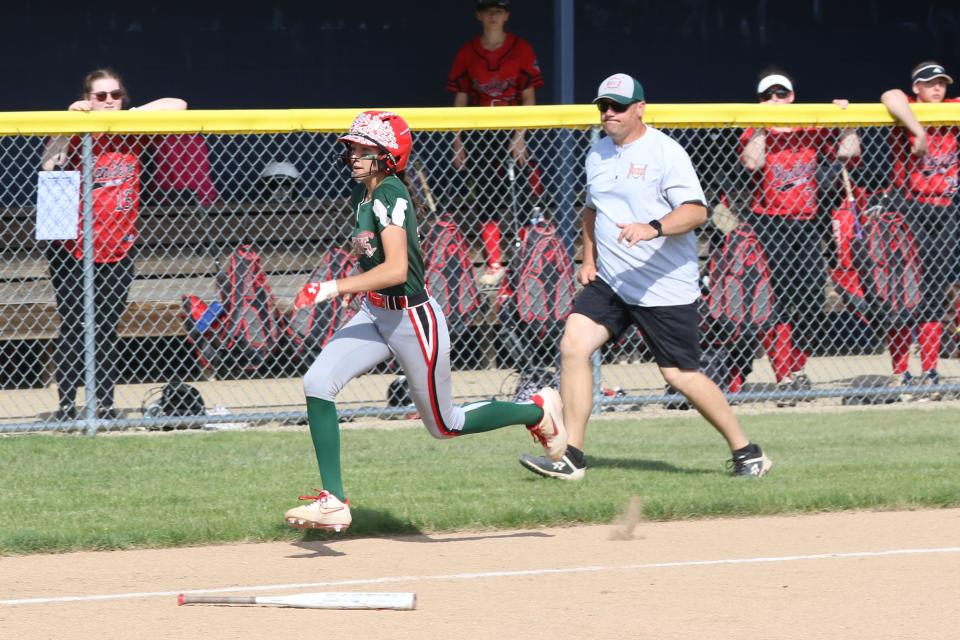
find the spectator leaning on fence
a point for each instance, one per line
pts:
(495, 69)
(640, 267)
(783, 162)
(116, 200)
(925, 172)
(397, 318)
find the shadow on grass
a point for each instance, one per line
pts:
(639, 464)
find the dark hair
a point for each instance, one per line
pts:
(99, 74)
(414, 201)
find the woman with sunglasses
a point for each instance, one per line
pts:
(783, 163)
(397, 318)
(116, 197)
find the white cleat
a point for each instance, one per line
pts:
(550, 432)
(325, 511)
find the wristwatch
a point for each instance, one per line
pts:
(656, 227)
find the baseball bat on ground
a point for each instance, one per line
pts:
(327, 600)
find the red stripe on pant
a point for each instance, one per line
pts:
(430, 347)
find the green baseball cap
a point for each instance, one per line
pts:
(620, 88)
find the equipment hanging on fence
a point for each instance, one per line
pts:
(244, 332)
(251, 327)
(449, 274)
(740, 299)
(878, 271)
(736, 307)
(537, 297)
(311, 327)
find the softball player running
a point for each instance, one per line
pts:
(399, 318)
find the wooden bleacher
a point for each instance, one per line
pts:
(175, 256)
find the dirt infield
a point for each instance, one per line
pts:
(856, 575)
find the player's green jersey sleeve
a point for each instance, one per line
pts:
(390, 205)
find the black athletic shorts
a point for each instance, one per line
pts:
(672, 333)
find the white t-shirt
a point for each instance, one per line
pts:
(640, 182)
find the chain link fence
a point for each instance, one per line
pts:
(829, 266)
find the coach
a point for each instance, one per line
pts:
(639, 268)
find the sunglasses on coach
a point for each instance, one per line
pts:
(603, 105)
(101, 96)
(769, 93)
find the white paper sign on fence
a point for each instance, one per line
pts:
(58, 202)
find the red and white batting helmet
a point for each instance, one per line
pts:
(386, 130)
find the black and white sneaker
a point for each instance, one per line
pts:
(750, 462)
(566, 468)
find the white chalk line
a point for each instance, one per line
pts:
(486, 574)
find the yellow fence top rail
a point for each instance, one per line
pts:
(449, 118)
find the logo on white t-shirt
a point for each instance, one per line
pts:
(637, 171)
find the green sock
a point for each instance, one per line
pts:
(325, 432)
(493, 414)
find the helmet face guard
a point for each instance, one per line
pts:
(388, 132)
(381, 158)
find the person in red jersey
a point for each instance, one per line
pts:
(783, 162)
(925, 172)
(494, 69)
(116, 203)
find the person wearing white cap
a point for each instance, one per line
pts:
(925, 171)
(640, 268)
(783, 162)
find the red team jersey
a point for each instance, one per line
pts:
(116, 196)
(494, 78)
(931, 179)
(787, 183)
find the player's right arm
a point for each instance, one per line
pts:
(898, 105)
(588, 267)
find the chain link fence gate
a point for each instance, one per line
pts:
(857, 301)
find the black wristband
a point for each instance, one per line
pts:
(656, 227)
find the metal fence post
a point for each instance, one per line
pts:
(89, 293)
(597, 389)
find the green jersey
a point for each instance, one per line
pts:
(390, 205)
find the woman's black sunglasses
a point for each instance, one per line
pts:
(603, 105)
(769, 93)
(101, 96)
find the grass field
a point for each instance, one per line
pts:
(61, 493)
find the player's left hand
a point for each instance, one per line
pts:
(314, 292)
(635, 232)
